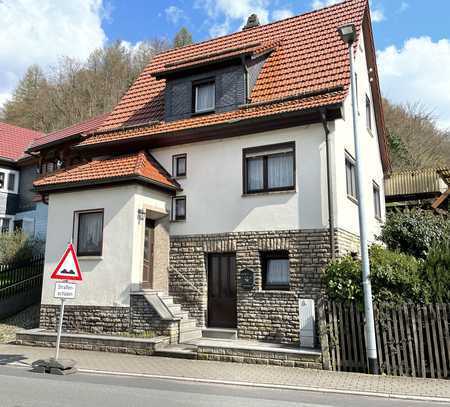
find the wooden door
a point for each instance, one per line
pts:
(149, 241)
(222, 291)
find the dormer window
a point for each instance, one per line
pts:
(204, 95)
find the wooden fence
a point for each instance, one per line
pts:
(412, 340)
(20, 285)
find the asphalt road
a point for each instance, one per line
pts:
(22, 388)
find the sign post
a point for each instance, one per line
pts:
(67, 270)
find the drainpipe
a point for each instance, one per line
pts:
(323, 116)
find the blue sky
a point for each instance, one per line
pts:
(412, 36)
(134, 20)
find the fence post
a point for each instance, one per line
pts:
(323, 331)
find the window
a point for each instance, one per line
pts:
(2, 180)
(275, 270)
(179, 166)
(18, 225)
(368, 113)
(179, 208)
(11, 181)
(90, 233)
(269, 168)
(357, 93)
(350, 175)
(204, 94)
(376, 200)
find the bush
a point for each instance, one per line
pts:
(18, 246)
(395, 278)
(436, 270)
(415, 232)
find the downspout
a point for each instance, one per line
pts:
(323, 116)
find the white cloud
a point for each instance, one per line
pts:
(317, 4)
(281, 14)
(377, 15)
(174, 14)
(223, 15)
(417, 73)
(39, 32)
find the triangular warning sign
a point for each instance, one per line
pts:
(68, 268)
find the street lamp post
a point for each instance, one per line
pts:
(348, 35)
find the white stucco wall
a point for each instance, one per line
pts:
(347, 210)
(109, 278)
(213, 185)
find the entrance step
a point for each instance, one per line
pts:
(219, 333)
(180, 351)
(189, 335)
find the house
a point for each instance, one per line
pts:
(24, 156)
(203, 203)
(426, 188)
(18, 208)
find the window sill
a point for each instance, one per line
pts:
(276, 291)
(90, 258)
(285, 191)
(204, 112)
(177, 220)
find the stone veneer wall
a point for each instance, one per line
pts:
(347, 242)
(262, 315)
(89, 319)
(139, 318)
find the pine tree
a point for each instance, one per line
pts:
(182, 38)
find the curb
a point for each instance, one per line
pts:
(270, 386)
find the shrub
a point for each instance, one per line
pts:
(18, 246)
(415, 232)
(395, 278)
(436, 270)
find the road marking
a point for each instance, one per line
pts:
(270, 386)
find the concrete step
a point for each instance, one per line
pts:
(180, 351)
(189, 335)
(188, 324)
(219, 333)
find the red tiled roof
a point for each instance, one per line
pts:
(63, 134)
(132, 166)
(309, 57)
(15, 140)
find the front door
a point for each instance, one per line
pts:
(222, 291)
(149, 240)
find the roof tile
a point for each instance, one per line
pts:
(15, 140)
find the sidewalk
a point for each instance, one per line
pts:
(236, 373)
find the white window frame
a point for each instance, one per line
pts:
(76, 224)
(208, 109)
(7, 171)
(10, 218)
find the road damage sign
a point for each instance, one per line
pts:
(68, 267)
(65, 290)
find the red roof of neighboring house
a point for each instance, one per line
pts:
(137, 166)
(68, 132)
(308, 67)
(15, 140)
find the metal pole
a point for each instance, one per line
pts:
(368, 304)
(58, 337)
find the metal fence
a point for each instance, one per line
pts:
(20, 285)
(412, 340)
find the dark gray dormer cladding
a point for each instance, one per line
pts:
(230, 88)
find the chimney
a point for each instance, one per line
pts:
(252, 21)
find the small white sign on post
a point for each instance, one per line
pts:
(65, 290)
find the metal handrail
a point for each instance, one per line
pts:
(187, 281)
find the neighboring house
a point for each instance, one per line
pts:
(427, 188)
(207, 184)
(18, 208)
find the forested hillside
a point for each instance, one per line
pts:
(72, 91)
